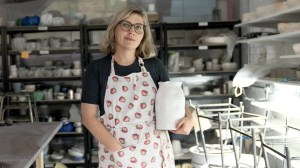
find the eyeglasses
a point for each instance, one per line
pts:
(126, 26)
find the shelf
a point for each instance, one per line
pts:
(46, 52)
(199, 25)
(36, 29)
(97, 27)
(278, 107)
(66, 101)
(71, 78)
(69, 134)
(187, 156)
(94, 50)
(93, 27)
(289, 15)
(274, 38)
(289, 56)
(66, 160)
(23, 105)
(278, 82)
(197, 47)
(214, 96)
(173, 74)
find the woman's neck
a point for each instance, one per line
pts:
(124, 58)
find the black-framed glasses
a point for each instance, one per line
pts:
(126, 26)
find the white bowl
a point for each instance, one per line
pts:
(216, 67)
(198, 67)
(76, 72)
(29, 88)
(229, 66)
(296, 48)
(56, 156)
(213, 156)
(293, 3)
(214, 40)
(75, 152)
(198, 61)
(298, 74)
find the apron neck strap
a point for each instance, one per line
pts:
(141, 64)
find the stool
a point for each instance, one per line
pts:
(26, 101)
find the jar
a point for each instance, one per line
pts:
(169, 105)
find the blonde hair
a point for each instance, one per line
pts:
(146, 48)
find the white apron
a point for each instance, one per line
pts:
(130, 118)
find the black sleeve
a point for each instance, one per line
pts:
(91, 85)
(157, 70)
(163, 74)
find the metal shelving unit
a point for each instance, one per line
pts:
(10, 56)
(167, 27)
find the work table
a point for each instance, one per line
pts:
(21, 144)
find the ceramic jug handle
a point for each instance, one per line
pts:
(238, 91)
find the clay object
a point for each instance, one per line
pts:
(169, 105)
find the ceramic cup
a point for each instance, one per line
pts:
(77, 96)
(176, 144)
(17, 87)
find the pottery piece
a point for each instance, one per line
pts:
(169, 105)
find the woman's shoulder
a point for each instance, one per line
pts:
(101, 62)
(153, 61)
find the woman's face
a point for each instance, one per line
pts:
(129, 39)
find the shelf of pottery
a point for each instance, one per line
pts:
(276, 41)
(203, 55)
(46, 61)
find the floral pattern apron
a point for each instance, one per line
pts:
(130, 118)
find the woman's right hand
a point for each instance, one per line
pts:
(116, 147)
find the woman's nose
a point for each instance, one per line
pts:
(131, 30)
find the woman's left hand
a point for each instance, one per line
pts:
(184, 126)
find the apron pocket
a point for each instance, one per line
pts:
(141, 155)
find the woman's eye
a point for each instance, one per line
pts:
(126, 24)
(138, 27)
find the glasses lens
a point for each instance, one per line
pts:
(139, 28)
(126, 26)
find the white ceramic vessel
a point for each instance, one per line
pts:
(213, 155)
(169, 105)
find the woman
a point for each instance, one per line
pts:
(123, 86)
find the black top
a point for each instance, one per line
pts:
(97, 73)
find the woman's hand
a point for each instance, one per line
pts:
(184, 126)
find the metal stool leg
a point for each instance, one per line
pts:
(1, 109)
(30, 109)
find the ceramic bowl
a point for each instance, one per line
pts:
(214, 156)
(298, 74)
(296, 48)
(75, 152)
(199, 67)
(76, 72)
(292, 3)
(56, 156)
(228, 66)
(29, 88)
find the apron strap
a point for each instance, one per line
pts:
(112, 69)
(141, 64)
